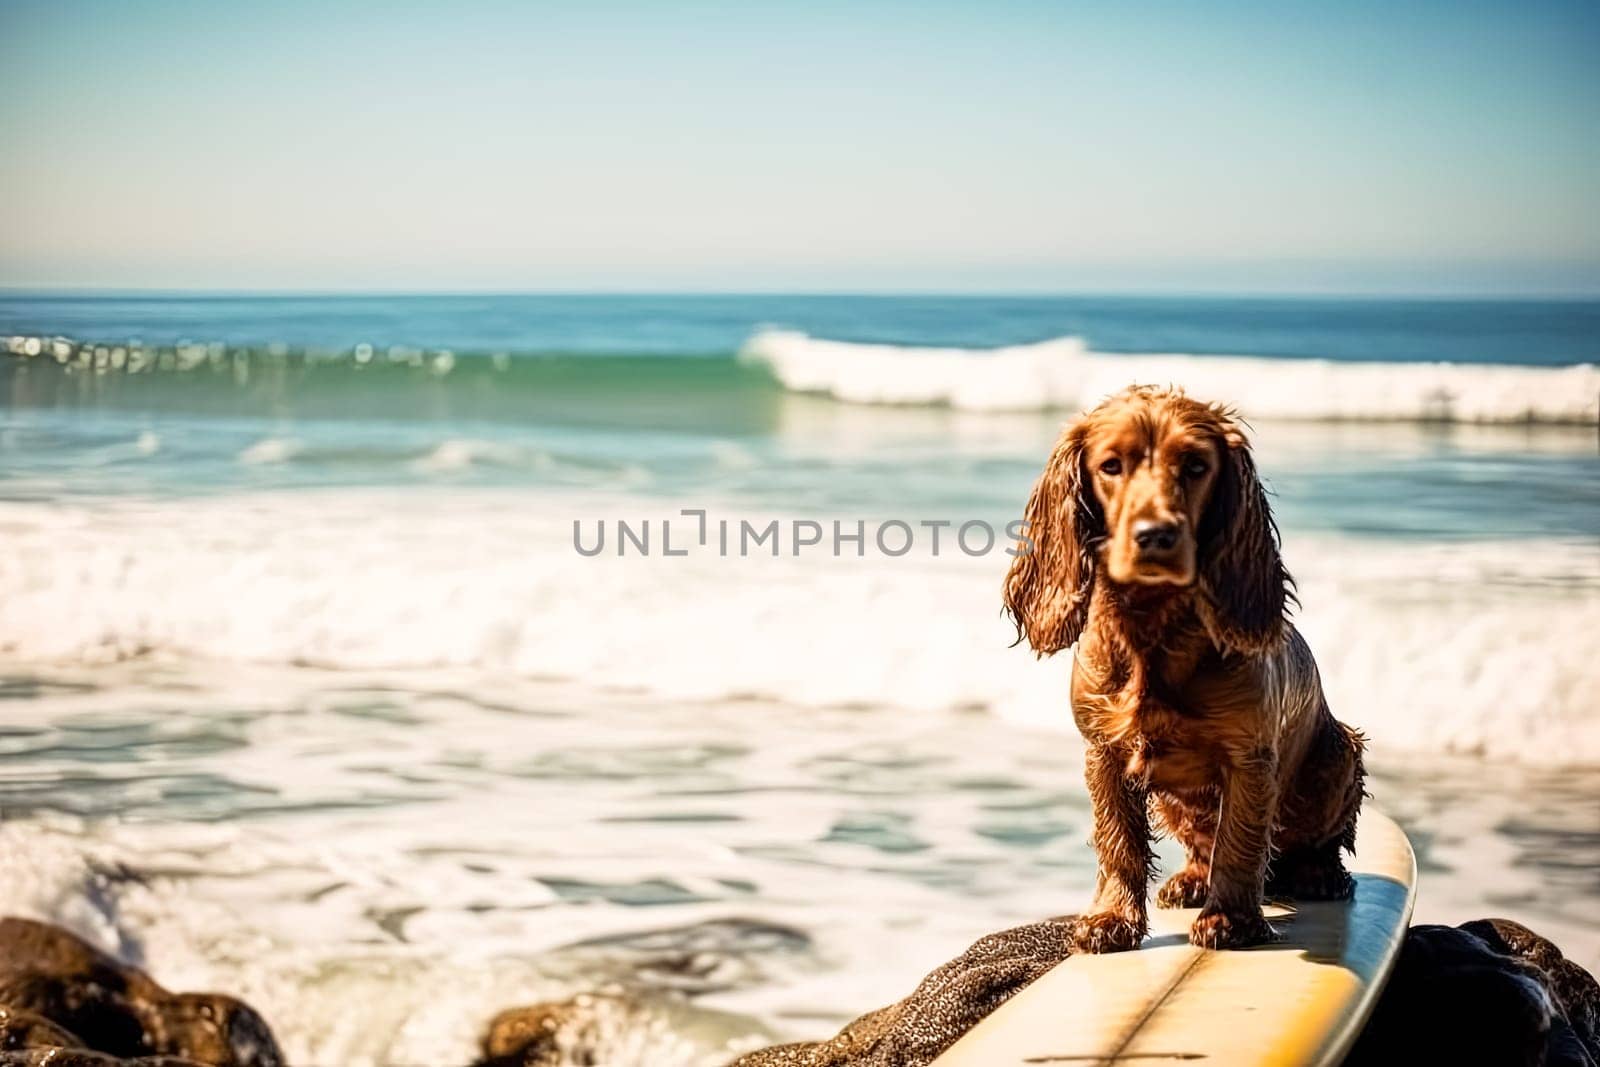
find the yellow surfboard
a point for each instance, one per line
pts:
(1299, 1002)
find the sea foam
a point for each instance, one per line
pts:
(1475, 648)
(1065, 373)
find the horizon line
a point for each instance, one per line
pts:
(1576, 295)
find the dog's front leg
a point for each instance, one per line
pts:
(1232, 915)
(1122, 847)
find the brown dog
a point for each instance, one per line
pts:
(1153, 550)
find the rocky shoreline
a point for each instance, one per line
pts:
(1490, 991)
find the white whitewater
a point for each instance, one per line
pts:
(1425, 646)
(1064, 373)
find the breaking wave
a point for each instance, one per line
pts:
(1065, 373)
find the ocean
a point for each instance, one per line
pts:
(317, 692)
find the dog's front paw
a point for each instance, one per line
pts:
(1186, 889)
(1237, 929)
(1107, 931)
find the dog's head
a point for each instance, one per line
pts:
(1150, 489)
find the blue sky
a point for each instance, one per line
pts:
(1412, 147)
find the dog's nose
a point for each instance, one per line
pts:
(1155, 536)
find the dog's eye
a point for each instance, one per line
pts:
(1111, 467)
(1194, 467)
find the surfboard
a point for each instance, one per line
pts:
(1298, 1002)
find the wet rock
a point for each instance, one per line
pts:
(105, 1008)
(211, 1028)
(1489, 991)
(1575, 991)
(91, 1003)
(25, 1030)
(64, 1057)
(551, 1034)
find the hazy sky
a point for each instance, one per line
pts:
(1415, 146)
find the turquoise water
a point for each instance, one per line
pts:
(647, 395)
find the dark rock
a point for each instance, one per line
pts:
(1576, 993)
(211, 1028)
(24, 1030)
(58, 1057)
(117, 1010)
(89, 1005)
(1489, 992)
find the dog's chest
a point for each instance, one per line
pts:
(1167, 748)
(1163, 739)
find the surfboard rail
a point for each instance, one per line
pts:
(1299, 1002)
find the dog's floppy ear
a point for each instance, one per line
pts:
(1048, 586)
(1246, 588)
